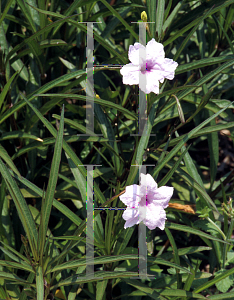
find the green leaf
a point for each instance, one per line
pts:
(174, 151)
(101, 289)
(190, 166)
(108, 132)
(18, 135)
(15, 265)
(151, 12)
(194, 22)
(97, 260)
(68, 150)
(185, 251)
(188, 229)
(189, 281)
(15, 255)
(102, 102)
(79, 179)
(117, 15)
(6, 8)
(113, 258)
(27, 13)
(51, 141)
(6, 89)
(175, 256)
(35, 35)
(160, 18)
(168, 176)
(22, 208)
(180, 293)
(204, 101)
(201, 132)
(99, 275)
(98, 37)
(15, 279)
(209, 61)
(41, 90)
(159, 293)
(57, 204)
(224, 284)
(40, 45)
(215, 280)
(206, 226)
(206, 78)
(145, 289)
(174, 13)
(225, 33)
(224, 296)
(4, 155)
(45, 213)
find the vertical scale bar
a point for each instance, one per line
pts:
(142, 80)
(142, 244)
(89, 82)
(89, 224)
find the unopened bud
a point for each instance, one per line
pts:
(144, 16)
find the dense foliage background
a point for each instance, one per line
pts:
(43, 157)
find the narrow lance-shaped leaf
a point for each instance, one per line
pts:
(185, 139)
(5, 156)
(57, 204)
(160, 17)
(51, 84)
(193, 231)
(53, 178)
(22, 209)
(167, 177)
(7, 7)
(6, 88)
(35, 35)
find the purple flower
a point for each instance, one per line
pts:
(146, 202)
(148, 66)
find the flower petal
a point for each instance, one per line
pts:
(168, 68)
(148, 186)
(131, 216)
(152, 84)
(132, 196)
(130, 74)
(155, 217)
(134, 53)
(162, 196)
(131, 222)
(148, 180)
(155, 52)
(130, 213)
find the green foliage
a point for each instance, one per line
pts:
(45, 146)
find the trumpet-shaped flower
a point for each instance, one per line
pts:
(146, 202)
(148, 66)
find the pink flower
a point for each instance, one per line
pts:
(148, 66)
(146, 202)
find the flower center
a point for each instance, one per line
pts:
(145, 68)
